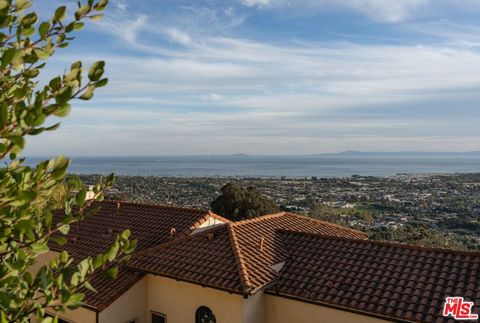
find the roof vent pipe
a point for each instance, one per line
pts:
(172, 232)
(262, 240)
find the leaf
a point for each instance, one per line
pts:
(21, 5)
(36, 131)
(96, 17)
(3, 114)
(88, 94)
(112, 251)
(111, 273)
(125, 234)
(78, 25)
(31, 73)
(74, 301)
(28, 31)
(61, 241)
(101, 5)
(101, 83)
(54, 127)
(98, 261)
(82, 11)
(41, 53)
(43, 29)
(26, 196)
(64, 95)
(64, 228)
(83, 268)
(39, 247)
(64, 257)
(8, 56)
(60, 13)
(3, 4)
(17, 141)
(80, 197)
(89, 286)
(96, 71)
(63, 111)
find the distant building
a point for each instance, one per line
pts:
(195, 266)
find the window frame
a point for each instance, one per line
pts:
(159, 314)
(59, 317)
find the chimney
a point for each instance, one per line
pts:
(90, 193)
(172, 232)
(210, 236)
(262, 240)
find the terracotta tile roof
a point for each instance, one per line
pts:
(262, 231)
(149, 224)
(401, 282)
(250, 247)
(206, 258)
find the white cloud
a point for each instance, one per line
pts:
(381, 10)
(260, 3)
(126, 28)
(178, 36)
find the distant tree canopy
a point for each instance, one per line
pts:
(237, 203)
(419, 234)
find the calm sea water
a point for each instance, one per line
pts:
(270, 166)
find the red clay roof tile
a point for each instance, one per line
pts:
(149, 224)
(395, 301)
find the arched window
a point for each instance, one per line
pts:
(204, 315)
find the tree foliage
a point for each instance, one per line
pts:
(30, 196)
(419, 234)
(237, 203)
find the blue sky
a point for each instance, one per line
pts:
(275, 77)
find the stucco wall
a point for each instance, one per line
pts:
(41, 260)
(253, 310)
(131, 305)
(80, 315)
(179, 301)
(283, 310)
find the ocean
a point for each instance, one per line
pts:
(271, 166)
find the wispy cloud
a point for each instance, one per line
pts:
(178, 36)
(381, 10)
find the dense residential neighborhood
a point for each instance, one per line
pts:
(444, 203)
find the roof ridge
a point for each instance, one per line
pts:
(382, 243)
(334, 225)
(242, 268)
(154, 205)
(202, 220)
(218, 217)
(258, 218)
(181, 239)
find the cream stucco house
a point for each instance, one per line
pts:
(195, 266)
